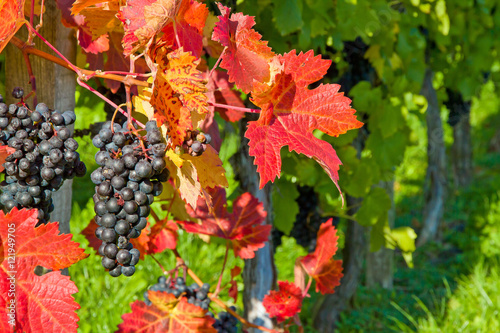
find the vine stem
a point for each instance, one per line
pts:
(217, 62)
(236, 108)
(164, 271)
(219, 302)
(107, 100)
(217, 289)
(86, 73)
(31, 76)
(76, 69)
(307, 287)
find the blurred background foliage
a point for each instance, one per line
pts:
(380, 51)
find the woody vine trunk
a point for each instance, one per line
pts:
(259, 274)
(55, 86)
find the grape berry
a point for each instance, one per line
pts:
(195, 143)
(45, 155)
(130, 175)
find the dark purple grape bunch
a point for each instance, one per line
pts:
(226, 323)
(195, 294)
(130, 174)
(45, 155)
(196, 142)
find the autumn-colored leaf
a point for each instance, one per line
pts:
(320, 264)
(43, 303)
(291, 112)
(284, 303)
(189, 23)
(246, 57)
(223, 93)
(143, 19)
(137, 32)
(185, 178)
(170, 111)
(12, 14)
(242, 227)
(89, 233)
(4, 152)
(177, 70)
(166, 314)
(233, 286)
(89, 45)
(163, 236)
(37, 10)
(194, 174)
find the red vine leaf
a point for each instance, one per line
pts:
(242, 227)
(223, 93)
(4, 152)
(284, 303)
(12, 14)
(233, 289)
(291, 112)
(43, 303)
(137, 31)
(189, 23)
(320, 264)
(179, 70)
(89, 233)
(166, 314)
(246, 57)
(178, 96)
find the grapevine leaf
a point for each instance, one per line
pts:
(4, 152)
(284, 303)
(185, 178)
(291, 112)
(194, 174)
(89, 45)
(320, 265)
(89, 233)
(163, 236)
(181, 74)
(233, 289)
(79, 5)
(242, 227)
(189, 24)
(166, 314)
(43, 303)
(287, 130)
(209, 167)
(137, 31)
(223, 93)
(37, 8)
(43, 244)
(170, 111)
(246, 57)
(12, 14)
(284, 194)
(99, 19)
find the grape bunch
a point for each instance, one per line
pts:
(194, 293)
(226, 323)
(130, 174)
(45, 155)
(196, 142)
(197, 295)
